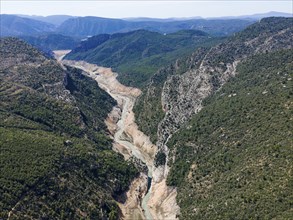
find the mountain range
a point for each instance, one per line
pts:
(136, 55)
(88, 26)
(16, 25)
(11, 25)
(52, 19)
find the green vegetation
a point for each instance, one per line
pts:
(269, 25)
(148, 108)
(234, 158)
(160, 159)
(93, 102)
(56, 161)
(137, 55)
(42, 177)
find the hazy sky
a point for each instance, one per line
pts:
(158, 9)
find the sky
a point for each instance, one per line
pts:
(154, 9)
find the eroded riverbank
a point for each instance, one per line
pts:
(127, 139)
(160, 201)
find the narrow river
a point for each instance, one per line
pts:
(128, 140)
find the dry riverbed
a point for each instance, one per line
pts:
(160, 201)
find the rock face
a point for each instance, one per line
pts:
(205, 72)
(182, 95)
(218, 158)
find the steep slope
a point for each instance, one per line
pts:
(88, 26)
(12, 25)
(56, 160)
(148, 108)
(137, 55)
(208, 69)
(234, 158)
(175, 94)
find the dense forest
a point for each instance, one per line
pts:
(254, 39)
(137, 55)
(234, 157)
(56, 160)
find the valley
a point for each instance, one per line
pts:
(142, 202)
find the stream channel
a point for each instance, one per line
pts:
(127, 139)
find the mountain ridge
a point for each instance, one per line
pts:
(136, 55)
(177, 95)
(11, 25)
(52, 19)
(92, 25)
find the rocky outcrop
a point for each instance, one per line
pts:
(182, 95)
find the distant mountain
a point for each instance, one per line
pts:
(15, 25)
(253, 16)
(56, 161)
(160, 19)
(12, 25)
(258, 16)
(138, 54)
(51, 42)
(89, 26)
(52, 19)
(265, 15)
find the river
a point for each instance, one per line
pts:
(127, 139)
(146, 199)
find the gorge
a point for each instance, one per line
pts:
(146, 199)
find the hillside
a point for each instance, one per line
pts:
(52, 19)
(56, 161)
(210, 67)
(89, 25)
(212, 112)
(234, 158)
(12, 25)
(139, 54)
(49, 42)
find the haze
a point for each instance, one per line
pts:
(155, 9)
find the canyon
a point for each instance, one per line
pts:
(148, 196)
